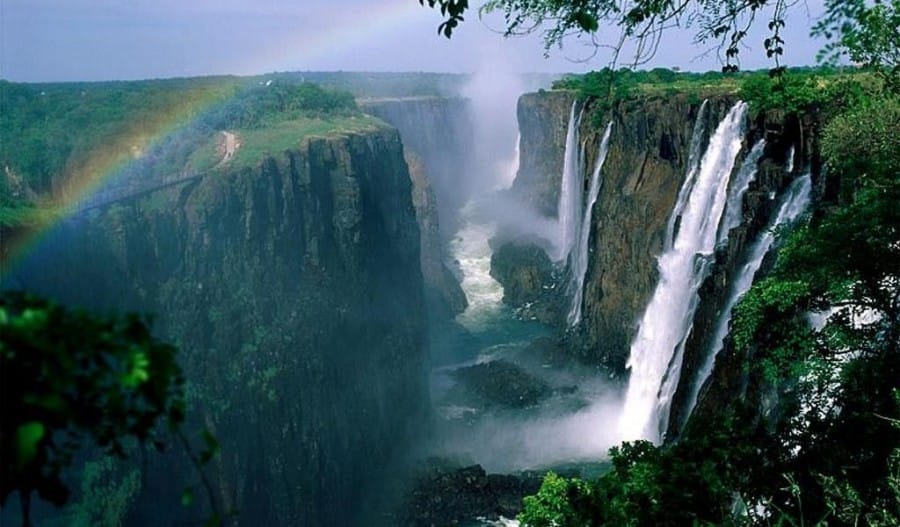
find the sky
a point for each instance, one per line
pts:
(69, 40)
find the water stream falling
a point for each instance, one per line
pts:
(568, 211)
(656, 353)
(794, 203)
(579, 261)
(693, 166)
(745, 175)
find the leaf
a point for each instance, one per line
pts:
(187, 497)
(28, 436)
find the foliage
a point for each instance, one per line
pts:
(555, 503)
(453, 10)
(863, 143)
(67, 379)
(107, 490)
(867, 34)
(53, 133)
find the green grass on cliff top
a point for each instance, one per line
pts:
(258, 143)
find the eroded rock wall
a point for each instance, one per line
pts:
(294, 291)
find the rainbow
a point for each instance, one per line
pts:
(106, 162)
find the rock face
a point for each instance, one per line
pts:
(439, 131)
(643, 172)
(294, 291)
(531, 285)
(436, 134)
(443, 293)
(446, 497)
(543, 118)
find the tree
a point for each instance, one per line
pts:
(868, 33)
(68, 377)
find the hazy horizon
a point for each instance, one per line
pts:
(105, 40)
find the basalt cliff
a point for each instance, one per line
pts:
(293, 288)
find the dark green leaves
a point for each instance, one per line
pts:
(453, 11)
(68, 378)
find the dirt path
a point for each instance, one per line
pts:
(227, 147)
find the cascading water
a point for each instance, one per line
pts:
(568, 211)
(795, 202)
(656, 353)
(579, 261)
(693, 165)
(745, 175)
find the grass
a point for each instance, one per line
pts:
(23, 216)
(258, 143)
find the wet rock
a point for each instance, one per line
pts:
(502, 383)
(443, 294)
(444, 496)
(530, 281)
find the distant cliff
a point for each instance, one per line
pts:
(293, 288)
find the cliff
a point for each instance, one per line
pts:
(439, 131)
(543, 118)
(436, 134)
(443, 294)
(643, 172)
(293, 288)
(641, 177)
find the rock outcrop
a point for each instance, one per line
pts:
(294, 292)
(443, 294)
(543, 118)
(439, 131)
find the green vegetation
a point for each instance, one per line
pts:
(794, 90)
(256, 143)
(68, 379)
(58, 134)
(865, 32)
(826, 449)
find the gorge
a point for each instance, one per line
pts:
(513, 280)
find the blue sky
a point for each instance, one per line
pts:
(57, 40)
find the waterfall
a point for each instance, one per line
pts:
(656, 353)
(795, 201)
(569, 207)
(789, 161)
(745, 175)
(692, 166)
(513, 170)
(580, 260)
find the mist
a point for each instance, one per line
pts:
(540, 438)
(577, 423)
